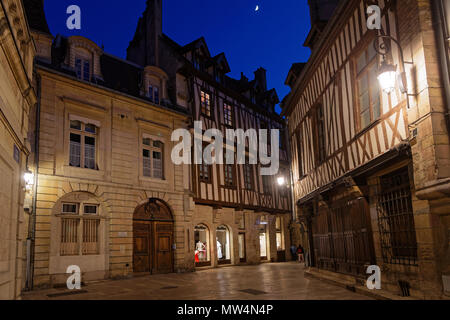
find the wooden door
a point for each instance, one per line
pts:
(163, 251)
(142, 249)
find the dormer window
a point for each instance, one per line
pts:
(83, 69)
(196, 62)
(218, 77)
(153, 94)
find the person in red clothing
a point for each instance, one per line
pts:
(300, 254)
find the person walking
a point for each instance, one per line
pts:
(294, 252)
(300, 254)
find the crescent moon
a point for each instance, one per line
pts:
(257, 8)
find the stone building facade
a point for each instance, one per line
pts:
(17, 98)
(374, 190)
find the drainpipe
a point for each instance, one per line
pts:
(442, 35)
(32, 225)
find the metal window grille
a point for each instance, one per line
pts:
(90, 236)
(69, 236)
(396, 219)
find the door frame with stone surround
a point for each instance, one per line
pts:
(153, 236)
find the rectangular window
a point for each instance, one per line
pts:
(83, 69)
(205, 173)
(205, 102)
(156, 94)
(299, 154)
(153, 94)
(87, 71)
(228, 114)
(267, 184)
(150, 93)
(152, 158)
(369, 93)
(396, 219)
(229, 175)
(320, 125)
(248, 176)
(82, 145)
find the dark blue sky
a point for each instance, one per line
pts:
(271, 38)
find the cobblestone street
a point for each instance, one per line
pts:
(271, 281)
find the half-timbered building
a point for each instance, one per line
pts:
(240, 216)
(367, 163)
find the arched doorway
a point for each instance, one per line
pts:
(153, 238)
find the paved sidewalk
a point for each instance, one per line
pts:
(269, 281)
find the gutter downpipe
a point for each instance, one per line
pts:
(32, 227)
(442, 35)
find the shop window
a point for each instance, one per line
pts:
(202, 247)
(223, 245)
(152, 158)
(82, 148)
(79, 229)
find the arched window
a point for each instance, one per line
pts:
(223, 238)
(202, 246)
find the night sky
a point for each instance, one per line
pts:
(271, 37)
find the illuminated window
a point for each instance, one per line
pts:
(205, 102)
(228, 114)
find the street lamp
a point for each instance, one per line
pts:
(29, 180)
(387, 74)
(386, 77)
(281, 181)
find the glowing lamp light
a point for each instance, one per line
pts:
(281, 181)
(29, 179)
(387, 76)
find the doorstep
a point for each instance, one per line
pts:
(352, 283)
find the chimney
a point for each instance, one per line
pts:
(260, 77)
(321, 11)
(144, 48)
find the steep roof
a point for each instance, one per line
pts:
(34, 10)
